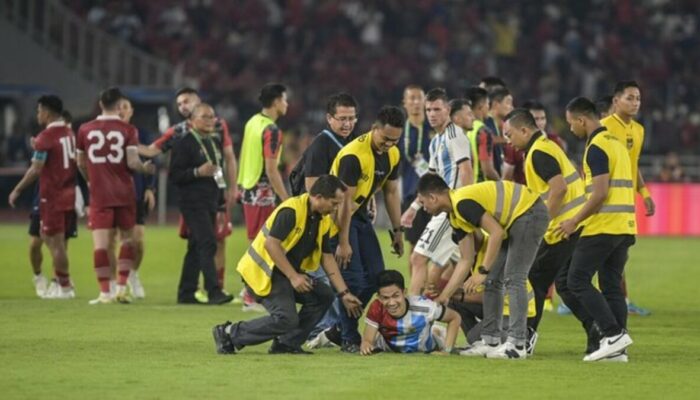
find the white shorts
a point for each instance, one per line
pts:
(436, 241)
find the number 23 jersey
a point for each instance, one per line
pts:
(103, 141)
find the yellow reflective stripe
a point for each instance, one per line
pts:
(572, 204)
(515, 199)
(626, 183)
(259, 260)
(500, 198)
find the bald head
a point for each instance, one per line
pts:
(203, 118)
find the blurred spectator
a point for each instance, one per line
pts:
(671, 170)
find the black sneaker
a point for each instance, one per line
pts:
(220, 298)
(349, 347)
(189, 300)
(531, 341)
(333, 334)
(281, 348)
(223, 342)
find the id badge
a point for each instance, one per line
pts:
(420, 165)
(219, 178)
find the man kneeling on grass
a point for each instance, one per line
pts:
(406, 324)
(293, 242)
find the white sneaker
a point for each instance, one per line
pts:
(620, 357)
(610, 345)
(320, 341)
(51, 291)
(136, 287)
(508, 351)
(478, 349)
(61, 293)
(103, 298)
(40, 285)
(122, 295)
(112, 287)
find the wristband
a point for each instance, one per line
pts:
(415, 206)
(343, 293)
(644, 192)
(399, 229)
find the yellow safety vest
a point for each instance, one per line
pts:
(531, 308)
(504, 200)
(252, 160)
(256, 264)
(631, 136)
(616, 215)
(471, 135)
(362, 149)
(575, 196)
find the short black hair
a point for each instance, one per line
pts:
(186, 90)
(493, 83)
(476, 95)
(436, 94)
(110, 97)
(457, 104)
(326, 186)
(66, 116)
(622, 85)
(534, 105)
(390, 277)
(498, 94)
(392, 116)
(52, 103)
(521, 117)
(432, 183)
(582, 106)
(603, 104)
(271, 92)
(341, 99)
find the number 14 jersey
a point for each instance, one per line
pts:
(104, 141)
(56, 147)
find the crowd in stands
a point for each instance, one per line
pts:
(546, 50)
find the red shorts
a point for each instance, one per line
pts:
(255, 217)
(54, 222)
(122, 217)
(223, 226)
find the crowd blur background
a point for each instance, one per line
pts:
(546, 50)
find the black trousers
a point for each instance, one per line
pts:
(552, 266)
(201, 249)
(606, 255)
(284, 322)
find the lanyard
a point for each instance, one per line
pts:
(407, 142)
(217, 155)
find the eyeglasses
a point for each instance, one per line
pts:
(343, 120)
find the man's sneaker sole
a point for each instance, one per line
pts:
(618, 357)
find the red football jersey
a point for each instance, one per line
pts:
(104, 142)
(57, 179)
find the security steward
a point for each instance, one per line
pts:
(502, 209)
(551, 175)
(365, 165)
(196, 169)
(292, 243)
(608, 232)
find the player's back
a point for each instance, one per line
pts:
(104, 141)
(447, 151)
(57, 181)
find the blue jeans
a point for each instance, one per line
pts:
(361, 274)
(331, 317)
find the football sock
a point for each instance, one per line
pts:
(220, 276)
(101, 260)
(125, 263)
(62, 278)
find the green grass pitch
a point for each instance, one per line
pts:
(154, 349)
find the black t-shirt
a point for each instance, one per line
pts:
(322, 151)
(349, 172)
(597, 161)
(284, 223)
(545, 166)
(471, 211)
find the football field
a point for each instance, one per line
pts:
(155, 349)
